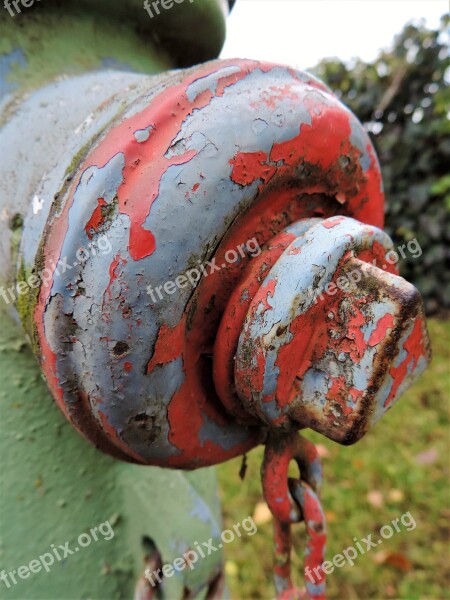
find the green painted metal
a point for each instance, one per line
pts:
(59, 44)
(52, 38)
(53, 485)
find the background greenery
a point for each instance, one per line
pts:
(403, 98)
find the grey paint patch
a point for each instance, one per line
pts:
(209, 82)
(358, 140)
(226, 438)
(142, 135)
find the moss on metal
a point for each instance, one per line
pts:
(55, 44)
(55, 486)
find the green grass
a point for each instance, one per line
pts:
(416, 563)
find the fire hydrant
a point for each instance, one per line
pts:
(201, 269)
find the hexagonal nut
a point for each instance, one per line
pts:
(373, 346)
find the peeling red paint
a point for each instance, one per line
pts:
(96, 219)
(386, 322)
(251, 166)
(299, 178)
(332, 222)
(415, 348)
(169, 345)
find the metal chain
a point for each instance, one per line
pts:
(291, 501)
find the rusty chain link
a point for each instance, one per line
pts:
(292, 501)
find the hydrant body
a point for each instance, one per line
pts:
(140, 239)
(198, 262)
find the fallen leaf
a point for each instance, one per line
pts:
(428, 457)
(379, 557)
(398, 560)
(231, 568)
(375, 498)
(262, 514)
(395, 495)
(389, 590)
(330, 516)
(322, 451)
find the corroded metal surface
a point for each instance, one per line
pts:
(190, 170)
(315, 349)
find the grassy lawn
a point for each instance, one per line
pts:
(400, 466)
